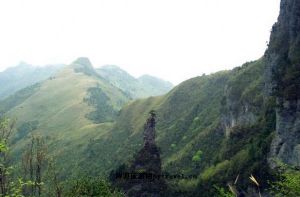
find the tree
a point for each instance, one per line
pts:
(55, 185)
(6, 128)
(8, 185)
(33, 163)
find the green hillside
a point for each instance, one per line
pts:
(155, 85)
(223, 117)
(210, 126)
(72, 109)
(66, 109)
(141, 87)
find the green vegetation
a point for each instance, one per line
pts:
(154, 86)
(191, 119)
(24, 130)
(287, 184)
(33, 164)
(190, 125)
(197, 156)
(18, 98)
(173, 145)
(221, 192)
(90, 186)
(217, 127)
(56, 109)
(9, 184)
(104, 110)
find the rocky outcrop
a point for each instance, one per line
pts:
(144, 176)
(149, 131)
(236, 113)
(286, 144)
(283, 82)
(148, 179)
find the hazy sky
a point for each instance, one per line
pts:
(171, 39)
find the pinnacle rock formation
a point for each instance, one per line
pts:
(145, 174)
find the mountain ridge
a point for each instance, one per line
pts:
(135, 87)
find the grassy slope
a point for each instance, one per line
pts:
(177, 123)
(58, 107)
(123, 80)
(188, 111)
(154, 85)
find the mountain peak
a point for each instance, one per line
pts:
(84, 61)
(84, 65)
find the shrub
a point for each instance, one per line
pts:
(287, 185)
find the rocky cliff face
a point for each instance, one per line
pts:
(242, 101)
(283, 82)
(236, 113)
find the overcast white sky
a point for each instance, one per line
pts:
(172, 39)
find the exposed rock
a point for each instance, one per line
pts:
(237, 114)
(149, 131)
(144, 176)
(238, 107)
(283, 81)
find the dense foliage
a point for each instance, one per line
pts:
(288, 184)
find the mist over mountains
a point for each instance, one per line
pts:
(24, 75)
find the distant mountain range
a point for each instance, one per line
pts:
(23, 75)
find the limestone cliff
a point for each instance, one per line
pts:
(283, 82)
(242, 101)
